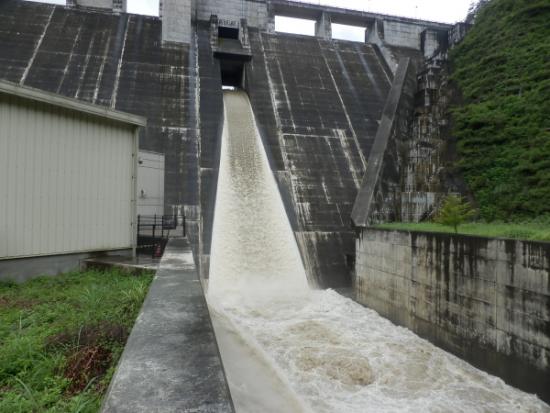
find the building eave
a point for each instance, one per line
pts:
(53, 99)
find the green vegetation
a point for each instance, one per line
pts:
(454, 212)
(526, 231)
(61, 337)
(502, 69)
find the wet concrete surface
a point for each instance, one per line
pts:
(171, 362)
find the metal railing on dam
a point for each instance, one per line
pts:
(330, 353)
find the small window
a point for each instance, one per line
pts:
(345, 32)
(228, 33)
(294, 26)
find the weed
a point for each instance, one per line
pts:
(61, 337)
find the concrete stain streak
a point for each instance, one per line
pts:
(101, 67)
(356, 174)
(345, 73)
(119, 68)
(36, 49)
(368, 72)
(69, 61)
(328, 140)
(346, 149)
(85, 66)
(285, 92)
(274, 102)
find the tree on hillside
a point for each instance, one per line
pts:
(454, 212)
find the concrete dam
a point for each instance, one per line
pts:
(317, 102)
(280, 180)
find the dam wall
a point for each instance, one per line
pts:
(317, 105)
(485, 300)
(317, 102)
(318, 128)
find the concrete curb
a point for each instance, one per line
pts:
(171, 361)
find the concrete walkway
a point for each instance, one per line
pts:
(171, 362)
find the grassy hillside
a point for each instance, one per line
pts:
(503, 128)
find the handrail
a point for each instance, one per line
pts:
(153, 231)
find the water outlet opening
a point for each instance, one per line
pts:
(232, 72)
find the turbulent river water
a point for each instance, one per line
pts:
(289, 348)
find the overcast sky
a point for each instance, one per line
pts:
(448, 11)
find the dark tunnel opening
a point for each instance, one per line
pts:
(232, 72)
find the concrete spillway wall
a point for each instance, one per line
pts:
(317, 104)
(486, 300)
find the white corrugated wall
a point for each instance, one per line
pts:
(150, 183)
(65, 181)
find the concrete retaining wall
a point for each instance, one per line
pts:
(24, 269)
(486, 300)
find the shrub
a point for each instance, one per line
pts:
(454, 212)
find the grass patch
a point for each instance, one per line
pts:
(61, 338)
(527, 231)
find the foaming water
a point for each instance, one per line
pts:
(253, 250)
(333, 354)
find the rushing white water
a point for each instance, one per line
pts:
(332, 354)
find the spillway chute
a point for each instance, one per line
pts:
(322, 352)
